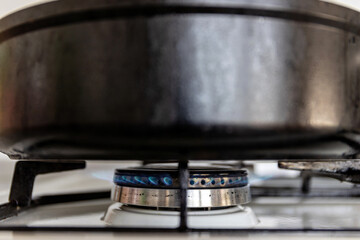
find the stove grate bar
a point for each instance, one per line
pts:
(184, 178)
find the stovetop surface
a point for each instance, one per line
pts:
(273, 212)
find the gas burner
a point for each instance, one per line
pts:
(160, 187)
(214, 195)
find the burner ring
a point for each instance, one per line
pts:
(168, 178)
(170, 198)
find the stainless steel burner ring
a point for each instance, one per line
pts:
(170, 198)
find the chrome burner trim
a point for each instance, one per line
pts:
(170, 198)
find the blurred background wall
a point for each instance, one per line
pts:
(8, 6)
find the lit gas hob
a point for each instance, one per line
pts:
(156, 187)
(150, 196)
(156, 117)
(277, 201)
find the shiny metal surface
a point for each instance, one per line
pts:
(174, 75)
(170, 198)
(347, 171)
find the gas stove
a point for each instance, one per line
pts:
(189, 119)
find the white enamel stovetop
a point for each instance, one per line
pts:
(272, 213)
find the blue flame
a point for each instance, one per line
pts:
(256, 179)
(103, 175)
(167, 181)
(154, 180)
(241, 181)
(129, 179)
(140, 180)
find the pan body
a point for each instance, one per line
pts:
(80, 79)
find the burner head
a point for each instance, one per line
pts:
(160, 187)
(167, 178)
